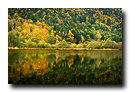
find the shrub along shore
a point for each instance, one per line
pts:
(63, 45)
(59, 48)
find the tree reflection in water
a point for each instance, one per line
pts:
(64, 67)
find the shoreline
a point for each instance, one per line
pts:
(15, 48)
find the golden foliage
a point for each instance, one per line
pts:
(112, 11)
(82, 38)
(105, 20)
(83, 23)
(70, 36)
(94, 15)
(19, 28)
(39, 34)
(57, 37)
(25, 32)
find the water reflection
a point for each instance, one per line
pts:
(64, 67)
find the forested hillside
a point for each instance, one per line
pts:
(65, 27)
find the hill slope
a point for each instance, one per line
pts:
(75, 25)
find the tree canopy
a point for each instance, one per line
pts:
(75, 25)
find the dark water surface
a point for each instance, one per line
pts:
(64, 67)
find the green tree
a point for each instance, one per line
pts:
(42, 44)
(120, 45)
(50, 39)
(21, 44)
(14, 25)
(12, 39)
(22, 38)
(10, 28)
(63, 44)
(31, 44)
(107, 44)
(34, 39)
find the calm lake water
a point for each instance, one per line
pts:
(64, 67)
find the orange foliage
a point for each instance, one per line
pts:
(16, 16)
(37, 23)
(44, 13)
(109, 27)
(38, 73)
(105, 20)
(83, 23)
(48, 9)
(62, 10)
(46, 27)
(94, 15)
(26, 26)
(110, 18)
(79, 10)
(42, 24)
(82, 74)
(112, 11)
(108, 70)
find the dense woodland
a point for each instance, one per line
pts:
(65, 28)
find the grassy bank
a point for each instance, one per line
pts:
(61, 48)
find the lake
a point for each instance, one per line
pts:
(64, 67)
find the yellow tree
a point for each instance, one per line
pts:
(70, 36)
(25, 32)
(82, 38)
(19, 28)
(87, 18)
(39, 34)
(58, 38)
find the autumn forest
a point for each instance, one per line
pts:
(91, 28)
(64, 46)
